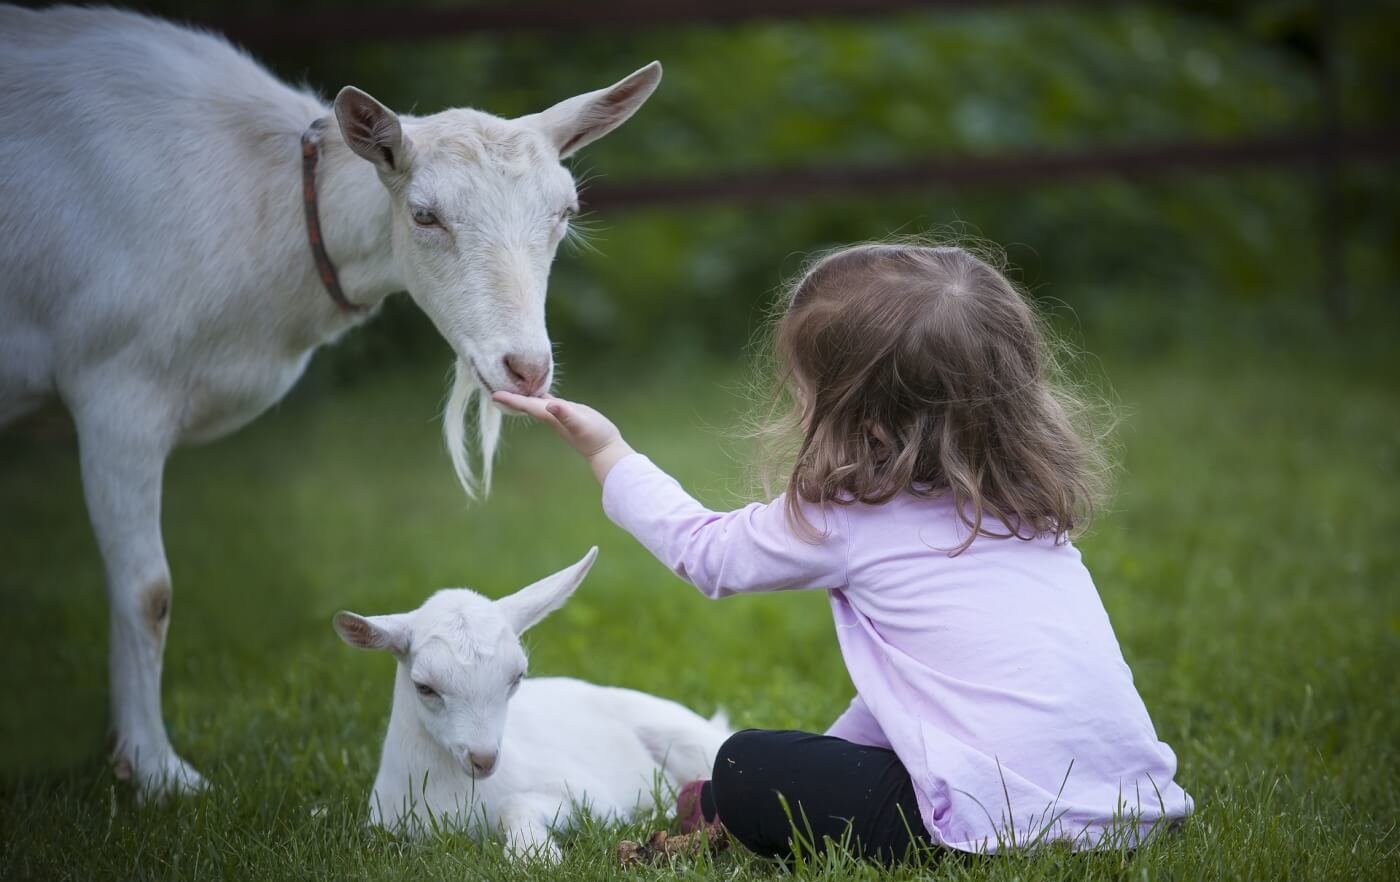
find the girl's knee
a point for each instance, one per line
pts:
(739, 751)
(744, 782)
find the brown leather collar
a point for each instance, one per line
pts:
(310, 152)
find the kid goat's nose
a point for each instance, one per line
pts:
(527, 372)
(481, 761)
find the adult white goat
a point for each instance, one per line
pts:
(571, 743)
(165, 276)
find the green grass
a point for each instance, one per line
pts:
(1249, 563)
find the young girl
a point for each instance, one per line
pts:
(937, 482)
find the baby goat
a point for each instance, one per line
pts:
(571, 743)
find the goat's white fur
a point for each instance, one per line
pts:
(448, 756)
(157, 279)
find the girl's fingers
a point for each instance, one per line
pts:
(507, 399)
(552, 411)
(522, 404)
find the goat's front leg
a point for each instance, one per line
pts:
(123, 459)
(525, 826)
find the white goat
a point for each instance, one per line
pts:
(571, 743)
(156, 273)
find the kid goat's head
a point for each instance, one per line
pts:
(460, 659)
(479, 207)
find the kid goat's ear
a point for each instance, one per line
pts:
(371, 129)
(525, 608)
(576, 122)
(373, 632)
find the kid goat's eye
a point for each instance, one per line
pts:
(425, 690)
(568, 214)
(424, 217)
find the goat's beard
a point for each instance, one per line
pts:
(465, 387)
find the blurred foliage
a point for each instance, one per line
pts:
(876, 90)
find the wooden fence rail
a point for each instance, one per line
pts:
(1133, 162)
(1319, 153)
(571, 16)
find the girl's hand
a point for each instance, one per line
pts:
(589, 432)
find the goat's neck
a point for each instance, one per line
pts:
(355, 217)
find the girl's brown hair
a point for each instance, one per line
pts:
(924, 370)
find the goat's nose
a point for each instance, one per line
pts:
(527, 372)
(482, 761)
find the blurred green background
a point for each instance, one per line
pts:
(869, 91)
(1247, 557)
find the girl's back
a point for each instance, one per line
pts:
(999, 666)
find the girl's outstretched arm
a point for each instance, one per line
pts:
(720, 553)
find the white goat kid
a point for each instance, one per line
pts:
(157, 276)
(447, 756)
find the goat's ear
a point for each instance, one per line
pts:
(371, 129)
(575, 122)
(373, 632)
(525, 608)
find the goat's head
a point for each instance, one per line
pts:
(479, 207)
(461, 656)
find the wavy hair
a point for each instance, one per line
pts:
(913, 368)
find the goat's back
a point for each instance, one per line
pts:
(137, 156)
(105, 78)
(607, 742)
(568, 710)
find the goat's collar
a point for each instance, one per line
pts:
(310, 153)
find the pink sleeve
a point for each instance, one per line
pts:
(752, 549)
(858, 725)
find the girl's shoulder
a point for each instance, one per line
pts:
(905, 508)
(917, 501)
(933, 520)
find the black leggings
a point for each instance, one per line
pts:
(833, 788)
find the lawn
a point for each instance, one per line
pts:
(1248, 560)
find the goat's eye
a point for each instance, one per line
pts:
(568, 214)
(424, 217)
(515, 684)
(425, 690)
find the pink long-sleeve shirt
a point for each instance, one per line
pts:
(994, 674)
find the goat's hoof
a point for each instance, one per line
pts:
(158, 777)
